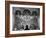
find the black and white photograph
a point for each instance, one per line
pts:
(25, 18)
